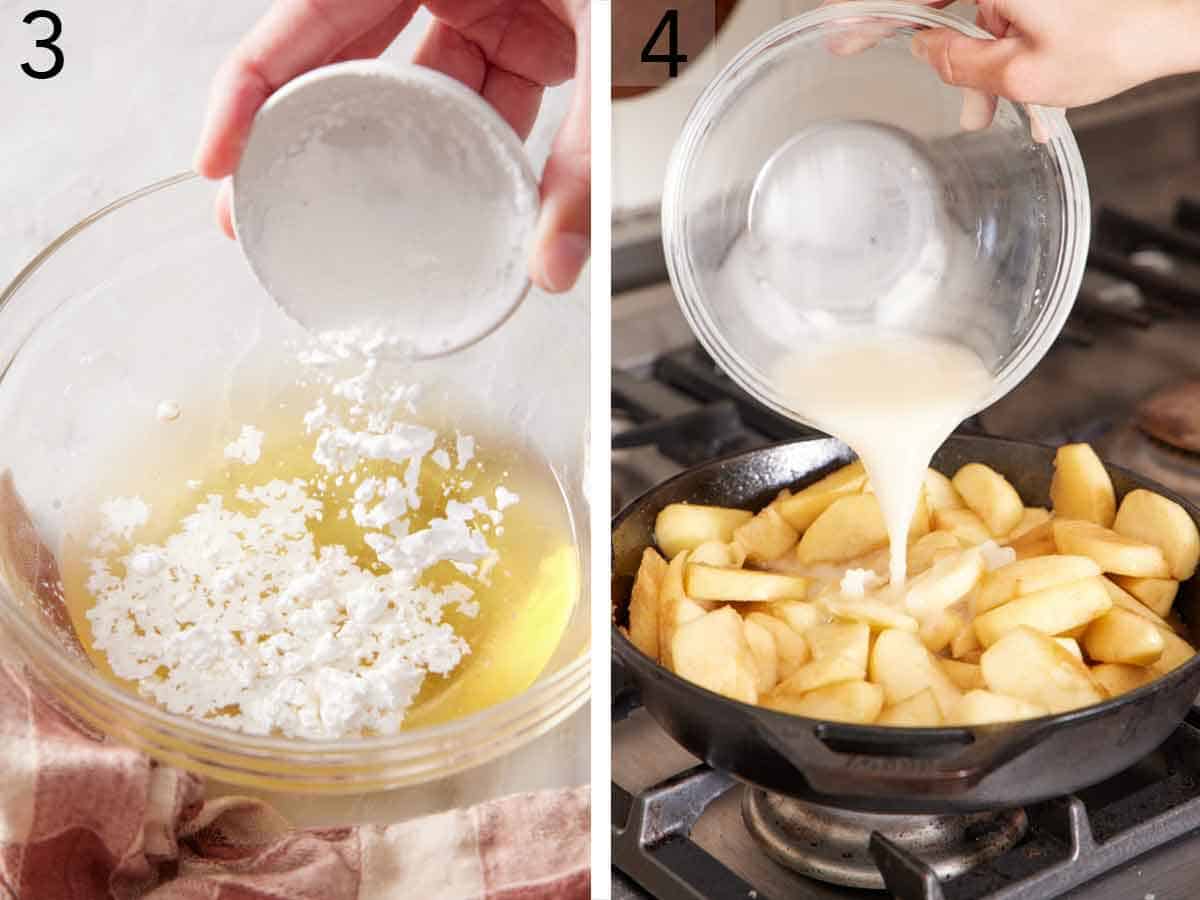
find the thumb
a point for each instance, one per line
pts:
(564, 228)
(962, 61)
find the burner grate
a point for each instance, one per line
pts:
(1163, 261)
(672, 867)
(683, 431)
(1071, 840)
(692, 371)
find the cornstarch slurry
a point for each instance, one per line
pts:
(894, 399)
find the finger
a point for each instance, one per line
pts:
(1037, 127)
(564, 228)
(992, 18)
(527, 39)
(861, 34)
(450, 53)
(855, 36)
(933, 4)
(515, 98)
(978, 109)
(293, 37)
(963, 61)
(224, 208)
(991, 21)
(377, 39)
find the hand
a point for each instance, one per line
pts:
(1066, 52)
(507, 50)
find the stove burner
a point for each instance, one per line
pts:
(834, 845)
(1173, 416)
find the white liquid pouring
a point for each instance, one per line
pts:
(893, 398)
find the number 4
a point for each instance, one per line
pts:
(670, 22)
(46, 43)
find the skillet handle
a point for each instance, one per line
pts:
(855, 761)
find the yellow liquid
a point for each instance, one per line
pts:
(524, 607)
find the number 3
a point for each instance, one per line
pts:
(46, 43)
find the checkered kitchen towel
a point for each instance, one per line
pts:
(83, 818)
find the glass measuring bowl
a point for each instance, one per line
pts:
(146, 300)
(816, 192)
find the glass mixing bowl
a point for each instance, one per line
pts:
(823, 183)
(146, 300)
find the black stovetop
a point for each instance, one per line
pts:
(678, 832)
(1132, 836)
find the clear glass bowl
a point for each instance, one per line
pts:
(824, 182)
(146, 299)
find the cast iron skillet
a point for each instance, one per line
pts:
(872, 767)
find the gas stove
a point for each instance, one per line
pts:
(683, 830)
(1124, 376)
